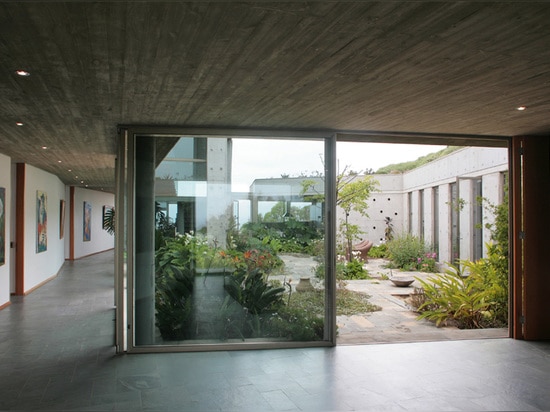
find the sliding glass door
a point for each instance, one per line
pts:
(227, 242)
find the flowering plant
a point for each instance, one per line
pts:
(250, 260)
(426, 263)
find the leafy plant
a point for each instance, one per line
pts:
(253, 292)
(173, 302)
(108, 220)
(297, 324)
(380, 251)
(409, 252)
(472, 295)
(388, 231)
(354, 270)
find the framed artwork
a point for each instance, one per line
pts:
(2, 225)
(41, 221)
(61, 219)
(87, 222)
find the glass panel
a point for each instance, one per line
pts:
(238, 241)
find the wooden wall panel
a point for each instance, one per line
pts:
(536, 226)
(20, 229)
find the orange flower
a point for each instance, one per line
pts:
(247, 254)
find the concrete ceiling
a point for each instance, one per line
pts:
(390, 66)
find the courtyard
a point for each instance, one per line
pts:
(396, 321)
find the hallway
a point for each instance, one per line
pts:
(57, 353)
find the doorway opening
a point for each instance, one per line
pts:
(437, 265)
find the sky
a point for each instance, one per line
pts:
(253, 159)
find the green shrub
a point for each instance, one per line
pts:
(291, 236)
(297, 324)
(253, 292)
(473, 295)
(380, 251)
(354, 270)
(409, 252)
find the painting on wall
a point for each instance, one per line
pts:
(87, 222)
(41, 221)
(61, 219)
(2, 226)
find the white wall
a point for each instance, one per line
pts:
(100, 239)
(5, 182)
(40, 267)
(386, 201)
(392, 199)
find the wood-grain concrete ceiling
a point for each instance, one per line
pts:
(413, 66)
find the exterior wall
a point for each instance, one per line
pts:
(464, 166)
(388, 201)
(100, 239)
(39, 267)
(5, 182)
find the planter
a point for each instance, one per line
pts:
(304, 285)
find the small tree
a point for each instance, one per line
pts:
(352, 193)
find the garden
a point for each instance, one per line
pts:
(242, 291)
(237, 292)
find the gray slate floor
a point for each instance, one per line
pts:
(56, 354)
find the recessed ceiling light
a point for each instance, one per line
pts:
(19, 123)
(69, 170)
(59, 161)
(44, 147)
(22, 73)
(521, 108)
(82, 181)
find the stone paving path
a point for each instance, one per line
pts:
(395, 322)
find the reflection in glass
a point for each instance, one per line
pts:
(227, 233)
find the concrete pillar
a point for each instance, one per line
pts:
(219, 204)
(144, 230)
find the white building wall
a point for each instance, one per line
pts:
(386, 201)
(428, 215)
(414, 213)
(40, 267)
(465, 163)
(100, 239)
(5, 183)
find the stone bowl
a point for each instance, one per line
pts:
(402, 282)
